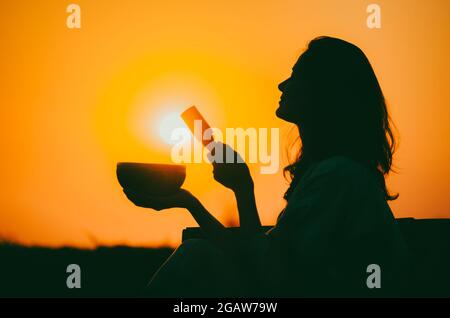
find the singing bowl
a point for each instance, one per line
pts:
(151, 178)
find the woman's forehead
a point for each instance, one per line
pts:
(298, 65)
(300, 68)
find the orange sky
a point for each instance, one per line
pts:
(75, 102)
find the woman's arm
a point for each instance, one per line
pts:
(235, 175)
(211, 227)
(248, 213)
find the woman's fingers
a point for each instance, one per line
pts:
(222, 153)
(142, 200)
(134, 197)
(182, 198)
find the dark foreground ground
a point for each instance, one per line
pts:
(124, 271)
(105, 272)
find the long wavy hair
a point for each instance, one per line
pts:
(345, 112)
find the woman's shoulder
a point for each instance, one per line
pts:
(336, 176)
(339, 167)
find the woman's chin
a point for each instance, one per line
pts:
(279, 113)
(282, 115)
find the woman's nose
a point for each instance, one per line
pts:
(282, 85)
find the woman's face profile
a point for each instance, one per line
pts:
(293, 95)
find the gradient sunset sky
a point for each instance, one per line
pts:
(75, 102)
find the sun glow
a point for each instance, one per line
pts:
(167, 125)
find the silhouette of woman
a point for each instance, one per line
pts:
(336, 221)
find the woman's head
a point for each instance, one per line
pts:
(334, 98)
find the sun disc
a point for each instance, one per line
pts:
(168, 124)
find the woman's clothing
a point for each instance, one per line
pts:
(336, 223)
